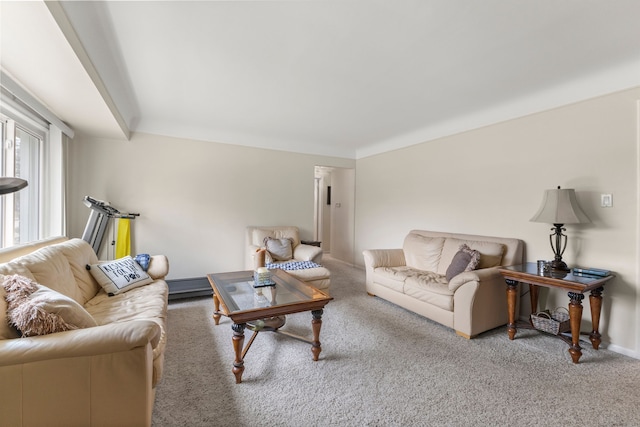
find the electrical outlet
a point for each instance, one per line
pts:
(606, 200)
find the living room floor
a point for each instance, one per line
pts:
(384, 366)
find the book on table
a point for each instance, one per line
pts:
(598, 272)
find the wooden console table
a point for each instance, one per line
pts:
(575, 284)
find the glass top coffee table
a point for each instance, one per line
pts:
(264, 308)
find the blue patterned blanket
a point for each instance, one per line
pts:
(293, 265)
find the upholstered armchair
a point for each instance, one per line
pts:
(294, 261)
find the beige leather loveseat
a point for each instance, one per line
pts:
(414, 277)
(318, 277)
(100, 375)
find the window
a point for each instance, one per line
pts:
(20, 157)
(32, 147)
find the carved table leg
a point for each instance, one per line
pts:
(238, 341)
(512, 294)
(595, 302)
(316, 323)
(216, 309)
(575, 318)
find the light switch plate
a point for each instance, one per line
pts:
(606, 200)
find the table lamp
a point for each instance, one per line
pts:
(559, 207)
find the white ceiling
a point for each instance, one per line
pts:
(341, 78)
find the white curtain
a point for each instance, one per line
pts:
(54, 184)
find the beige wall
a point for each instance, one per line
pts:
(491, 181)
(195, 198)
(342, 214)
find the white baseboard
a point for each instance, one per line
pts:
(612, 347)
(622, 350)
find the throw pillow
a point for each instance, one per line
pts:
(143, 260)
(119, 275)
(35, 309)
(279, 249)
(465, 259)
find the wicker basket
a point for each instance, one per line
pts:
(554, 323)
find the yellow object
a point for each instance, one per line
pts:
(123, 242)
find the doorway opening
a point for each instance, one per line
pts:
(334, 213)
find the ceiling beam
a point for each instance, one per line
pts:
(59, 15)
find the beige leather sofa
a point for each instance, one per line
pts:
(318, 277)
(413, 277)
(96, 376)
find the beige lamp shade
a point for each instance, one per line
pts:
(560, 206)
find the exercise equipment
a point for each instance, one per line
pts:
(101, 214)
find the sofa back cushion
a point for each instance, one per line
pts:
(79, 254)
(13, 252)
(60, 266)
(51, 268)
(259, 234)
(423, 252)
(490, 253)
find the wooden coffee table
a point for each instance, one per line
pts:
(264, 308)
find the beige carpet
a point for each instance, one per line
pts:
(384, 366)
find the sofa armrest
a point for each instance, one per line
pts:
(304, 252)
(158, 267)
(80, 377)
(249, 259)
(384, 258)
(480, 301)
(484, 274)
(105, 339)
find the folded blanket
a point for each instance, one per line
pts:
(293, 265)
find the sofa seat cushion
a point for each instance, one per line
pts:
(321, 284)
(309, 274)
(431, 288)
(317, 276)
(394, 277)
(147, 302)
